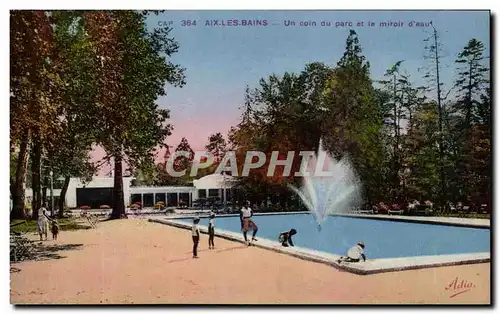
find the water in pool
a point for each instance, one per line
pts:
(383, 239)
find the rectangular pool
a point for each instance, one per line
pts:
(382, 238)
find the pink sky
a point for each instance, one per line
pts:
(195, 129)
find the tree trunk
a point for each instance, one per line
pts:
(440, 124)
(36, 175)
(17, 190)
(62, 196)
(118, 201)
(12, 186)
(468, 137)
(468, 113)
(395, 184)
(44, 190)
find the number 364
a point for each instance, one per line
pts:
(188, 23)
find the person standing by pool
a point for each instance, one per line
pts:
(355, 254)
(195, 232)
(247, 222)
(211, 231)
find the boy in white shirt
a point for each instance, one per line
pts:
(195, 232)
(355, 254)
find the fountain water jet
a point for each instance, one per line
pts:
(330, 192)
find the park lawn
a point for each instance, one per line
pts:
(29, 225)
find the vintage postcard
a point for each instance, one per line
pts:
(250, 157)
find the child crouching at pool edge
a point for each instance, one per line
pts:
(354, 254)
(285, 238)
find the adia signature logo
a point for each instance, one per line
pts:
(459, 286)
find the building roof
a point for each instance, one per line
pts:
(215, 181)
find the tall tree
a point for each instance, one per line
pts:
(287, 110)
(394, 84)
(182, 162)
(434, 49)
(422, 141)
(132, 74)
(470, 82)
(70, 155)
(293, 111)
(355, 123)
(473, 108)
(217, 146)
(34, 84)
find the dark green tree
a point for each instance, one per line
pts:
(470, 82)
(433, 47)
(34, 99)
(182, 162)
(217, 146)
(133, 70)
(69, 156)
(355, 124)
(422, 142)
(473, 138)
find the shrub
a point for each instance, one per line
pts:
(134, 206)
(160, 204)
(104, 207)
(85, 207)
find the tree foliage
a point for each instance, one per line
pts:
(84, 78)
(217, 146)
(397, 137)
(183, 162)
(34, 98)
(132, 74)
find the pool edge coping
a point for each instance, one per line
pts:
(371, 267)
(432, 220)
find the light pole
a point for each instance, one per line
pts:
(51, 193)
(224, 189)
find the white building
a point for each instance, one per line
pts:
(100, 191)
(213, 185)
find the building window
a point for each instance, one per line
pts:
(184, 199)
(202, 193)
(213, 192)
(94, 197)
(148, 200)
(172, 199)
(135, 198)
(160, 197)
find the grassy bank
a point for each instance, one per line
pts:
(65, 224)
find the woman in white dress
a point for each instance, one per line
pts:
(43, 222)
